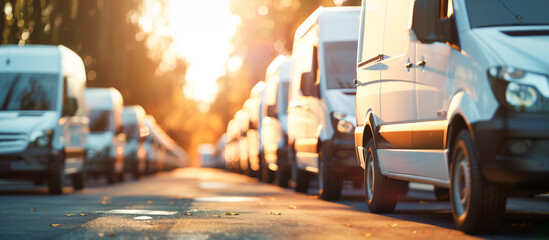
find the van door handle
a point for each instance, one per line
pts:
(409, 65)
(421, 63)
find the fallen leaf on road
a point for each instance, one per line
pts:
(348, 225)
(83, 214)
(69, 215)
(149, 202)
(231, 213)
(152, 223)
(105, 202)
(426, 232)
(422, 202)
(394, 225)
(32, 209)
(188, 213)
(271, 198)
(293, 206)
(171, 203)
(275, 213)
(367, 235)
(106, 198)
(217, 216)
(111, 234)
(313, 197)
(101, 234)
(414, 232)
(55, 224)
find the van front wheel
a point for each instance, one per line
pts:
(56, 178)
(381, 192)
(477, 205)
(329, 182)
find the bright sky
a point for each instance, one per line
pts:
(201, 33)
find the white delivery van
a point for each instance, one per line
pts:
(43, 122)
(133, 118)
(321, 100)
(253, 107)
(454, 94)
(274, 134)
(106, 140)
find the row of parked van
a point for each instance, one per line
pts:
(453, 93)
(52, 126)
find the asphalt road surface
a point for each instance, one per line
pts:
(195, 203)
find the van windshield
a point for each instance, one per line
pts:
(28, 91)
(489, 13)
(100, 121)
(340, 64)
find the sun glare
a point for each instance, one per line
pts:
(201, 32)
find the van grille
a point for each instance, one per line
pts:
(12, 142)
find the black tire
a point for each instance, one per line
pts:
(442, 194)
(112, 176)
(477, 207)
(381, 192)
(300, 177)
(136, 174)
(267, 175)
(56, 177)
(284, 172)
(283, 176)
(121, 177)
(329, 183)
(78, 180)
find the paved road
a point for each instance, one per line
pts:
(196, 203)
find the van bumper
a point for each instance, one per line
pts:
(514, 148)
(32, 163)
(343, 160)
(98, 160)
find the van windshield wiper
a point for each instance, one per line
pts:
(512, 24)
(10, 94)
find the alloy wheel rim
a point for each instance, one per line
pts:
(461, 184)
(370, 177)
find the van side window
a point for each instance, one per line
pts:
(316, 69)
(434, 21)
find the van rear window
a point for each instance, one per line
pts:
(490, 13)
(28, 91)
(340, 64)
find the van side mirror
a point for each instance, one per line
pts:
(70, 107)
(272, 111)
(308, 87)
(424, 20)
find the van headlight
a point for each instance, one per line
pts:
(342, 124)
(345, 126)
(41, 138)
(520, 90)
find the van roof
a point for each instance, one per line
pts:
(34, 58)
(103, 98)
(333, 22)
